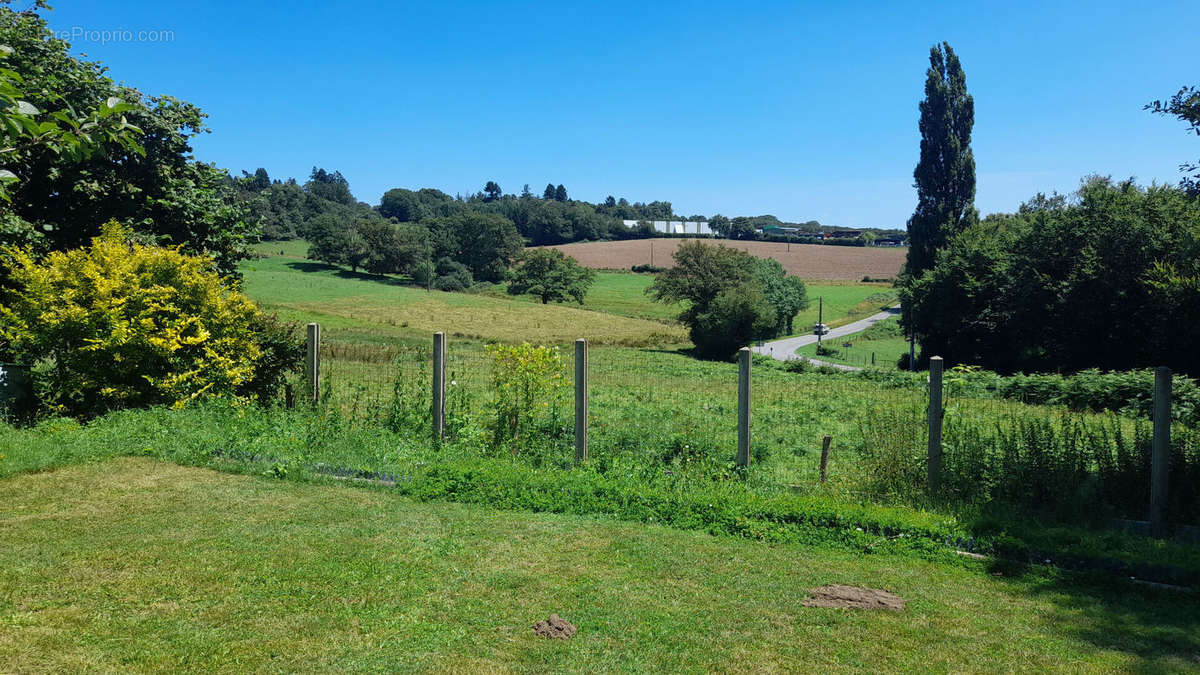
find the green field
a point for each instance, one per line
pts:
(134, 564)
(277, 279)
(883, 340)
(844, 303)
(371, 308)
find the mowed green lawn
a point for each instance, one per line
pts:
(133, 564)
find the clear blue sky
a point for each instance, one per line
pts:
(803, 110)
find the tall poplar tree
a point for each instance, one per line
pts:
(945, 174)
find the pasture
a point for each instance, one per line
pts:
(377, 308)
(439, 556)
(358, 303)
(807, 261)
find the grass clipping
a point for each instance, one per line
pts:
(853, 597)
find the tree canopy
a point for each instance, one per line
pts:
(1109, 278)
(729, 296)
(1185, 105)
(550, 275)
(147, 179)
(945, 174)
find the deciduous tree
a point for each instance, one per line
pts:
(550, 275)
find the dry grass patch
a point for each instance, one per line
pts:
(499, 319)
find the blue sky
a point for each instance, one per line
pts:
(803, 110)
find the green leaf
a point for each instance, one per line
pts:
(26, 108)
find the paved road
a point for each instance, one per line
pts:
(785, 349)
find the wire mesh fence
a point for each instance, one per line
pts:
(672, 414)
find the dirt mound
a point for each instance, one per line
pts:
(555, 627)
(836, 595)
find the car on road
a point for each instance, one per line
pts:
(820, 329)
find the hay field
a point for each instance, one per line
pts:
(807, 261)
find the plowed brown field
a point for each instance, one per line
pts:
(807, 261)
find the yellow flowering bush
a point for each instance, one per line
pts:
(118, 324)
(526, 380)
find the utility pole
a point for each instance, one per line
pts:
(820, 318)
(652, 253)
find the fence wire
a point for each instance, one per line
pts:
(672, 414)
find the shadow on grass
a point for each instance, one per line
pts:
(342, 273)
(1158, 626)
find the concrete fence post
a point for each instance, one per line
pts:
(439, 385)
(743, 450)
(935, 425)
(1160, 456)
(581, 401)
(312, 362)
(825, 455)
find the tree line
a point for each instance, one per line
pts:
(1106, 277)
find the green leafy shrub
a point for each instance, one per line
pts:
(451, 276)
(119, 324)
(529, 388)
(826, 350)
(645, 268)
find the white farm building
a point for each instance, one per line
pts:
(675, 226)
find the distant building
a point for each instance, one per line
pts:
(793, 232)
(675, 226)
(844, 234)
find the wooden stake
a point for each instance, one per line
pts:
(439, 385)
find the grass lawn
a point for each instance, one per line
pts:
(134, 564)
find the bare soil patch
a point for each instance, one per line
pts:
(555, 628)
(854, 597)
(807, 261)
